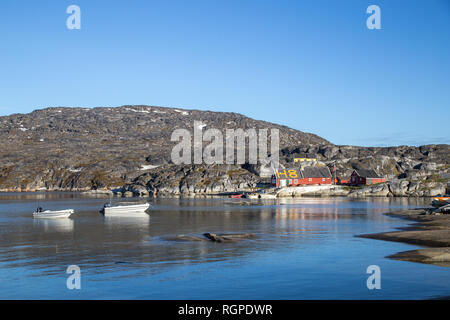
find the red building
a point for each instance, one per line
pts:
(365, 177)
(298, 177)
(343, 180)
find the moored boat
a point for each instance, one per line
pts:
(124, 208)
(268, 196)
(440, 201)
(49, 214)
(262, 195)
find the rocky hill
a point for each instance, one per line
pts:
(129, 148)
(81, 149)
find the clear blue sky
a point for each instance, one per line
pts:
(310, 65)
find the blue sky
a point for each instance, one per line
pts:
(310, 65)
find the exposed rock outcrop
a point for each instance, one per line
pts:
(220, 238)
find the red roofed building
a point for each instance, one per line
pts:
(365, 177)
(297, 177)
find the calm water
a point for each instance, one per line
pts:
(304, 249)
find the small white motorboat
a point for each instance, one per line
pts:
(40, 213)
(268, 196)
(124, 208)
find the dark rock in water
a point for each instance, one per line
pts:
(211, 236)
(232, 237)
(182, 237)
(228, 237)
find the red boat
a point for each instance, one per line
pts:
(440, 201)
(236, 196)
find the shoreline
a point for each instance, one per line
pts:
(208, 195)
(287, 192)
(432, 231)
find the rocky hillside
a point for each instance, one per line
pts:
(81, 149)
(129, 148)
(403, 162)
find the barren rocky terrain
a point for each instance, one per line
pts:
(129, 148)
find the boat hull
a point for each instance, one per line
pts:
(440, 201)
(117, 210)
(53, 214)
(268, 196)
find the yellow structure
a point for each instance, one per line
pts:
(305, 159)
(300, 160)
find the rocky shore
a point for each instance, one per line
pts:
(389, 189)
(250, 185)
(430, 229)
(254, 188)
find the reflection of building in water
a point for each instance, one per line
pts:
(287, 216)
(285, 212)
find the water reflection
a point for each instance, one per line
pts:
(140, 220)
(111, 248)
(54, 225)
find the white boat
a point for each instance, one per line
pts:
(268, 196)
(124, 208)
(48, 214)
(257, 195)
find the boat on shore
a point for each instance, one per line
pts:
(440, 201)
(49, 214)
(109, 209)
